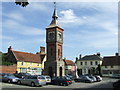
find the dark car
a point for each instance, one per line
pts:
(62, 81)
(116, 85)
(84, 79)
(10, 78)
(70, 76)
(21, 75)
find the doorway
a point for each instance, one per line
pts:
(60, 71)
(50, 71)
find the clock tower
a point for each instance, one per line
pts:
(54, 65)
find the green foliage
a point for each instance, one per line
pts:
(4, 59)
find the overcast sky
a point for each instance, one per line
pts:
(88, 27)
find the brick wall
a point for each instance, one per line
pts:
(8, 69)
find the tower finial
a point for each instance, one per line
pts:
(55, 13)
(54, 21)
(54, 4)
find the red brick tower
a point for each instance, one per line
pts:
(54, 65)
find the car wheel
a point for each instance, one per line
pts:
(19, 82)
(32, 84)
(9, 81)
(60, 84)
(65, 84)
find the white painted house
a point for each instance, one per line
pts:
(88, 64)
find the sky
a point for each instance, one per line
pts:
(89, 27)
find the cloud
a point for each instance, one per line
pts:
(96, 28)
(14, 16)
(69, 17)
(32, 7)
(22, 29)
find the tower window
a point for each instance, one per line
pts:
(58, 52)
(51, 51)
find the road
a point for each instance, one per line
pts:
(105, 83)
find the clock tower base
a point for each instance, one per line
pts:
(54, 68)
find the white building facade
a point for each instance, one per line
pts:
(88, 64)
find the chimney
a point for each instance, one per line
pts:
(42, 50)
(9, 49)
(98, 54)
(117, 54)
(80, 56)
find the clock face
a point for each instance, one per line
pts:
(51, 35)
(59, 36)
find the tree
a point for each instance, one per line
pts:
(23, 3)
(99, 69)
(4, 60)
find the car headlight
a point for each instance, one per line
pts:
(14, 80)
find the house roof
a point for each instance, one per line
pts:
(91, 57)
(28, 57)
(111, 61)
(69, 62)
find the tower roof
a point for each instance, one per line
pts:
(54, 21)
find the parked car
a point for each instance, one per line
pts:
(98, 78)
(21, 75)
(116, 85)
(62, 81)
(70, 76)
(48, 79)
(91, 76)
(83, 78)
(117, 76)
(33, 80)
(10, 78)
(1, 75)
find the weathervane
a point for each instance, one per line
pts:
(54, 4)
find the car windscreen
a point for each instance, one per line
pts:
(48, 77)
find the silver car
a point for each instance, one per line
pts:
(48, 79)
(33, 80)
(10, 78)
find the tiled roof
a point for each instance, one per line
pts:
(91, 57)
(28, 57)
(69, 62)
(111, 61)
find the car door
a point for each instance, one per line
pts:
(5, 78)
(24, 80)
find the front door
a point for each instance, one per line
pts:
(60, 71)
(50, 71)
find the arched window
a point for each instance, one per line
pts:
(51, 51)
(58, 52)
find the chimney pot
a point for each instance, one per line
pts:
(9, 49)
(98, 54)
(80, 56)
(42, 50)
(117, 54)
